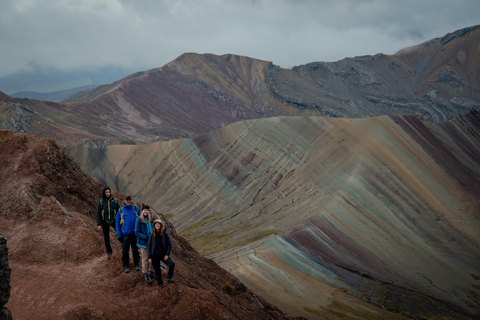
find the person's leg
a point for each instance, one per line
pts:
(144, 259)
(170, 267)
(114, 231)
(125, 252)
(158, 270)
(106, 237)
(136, 256)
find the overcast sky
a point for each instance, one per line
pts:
(144, 34)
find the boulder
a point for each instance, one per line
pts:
(5, 272)
(5, 314)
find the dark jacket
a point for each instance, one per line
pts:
(107, 208)
(167, 244)
(130, 214)
(143, 229)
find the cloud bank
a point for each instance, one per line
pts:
(146, 34)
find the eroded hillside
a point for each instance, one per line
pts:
(303, 208)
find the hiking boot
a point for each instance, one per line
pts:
(152, 275)
(126, 269)
(147, 279)
(160, 287)
(137, 268)
(171, 281)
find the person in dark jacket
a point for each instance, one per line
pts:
(143, 229)
(107, 208)
(125, 226)
(159, 248)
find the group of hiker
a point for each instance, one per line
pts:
(135, 229)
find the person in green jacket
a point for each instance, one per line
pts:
(107, 208)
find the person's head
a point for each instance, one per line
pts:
(127, 200)
(145, 210)
(157, 228)
(106, 193)
(145, 213)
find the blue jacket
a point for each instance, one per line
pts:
(142, 231)
(129, 217)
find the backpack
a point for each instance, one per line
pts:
(135, 209)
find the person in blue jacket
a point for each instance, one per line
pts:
(143, 229)
(159, 248)
(125, 226)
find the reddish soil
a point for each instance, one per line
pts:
(58, 260)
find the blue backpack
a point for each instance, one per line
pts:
(135, 209)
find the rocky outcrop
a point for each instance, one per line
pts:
(5, 272)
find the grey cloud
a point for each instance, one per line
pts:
(149, 33)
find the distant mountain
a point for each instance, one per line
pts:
(35, 117)
(51, 96)
(42, 80)
(435, 81)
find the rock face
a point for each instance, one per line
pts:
(58, 256)
(302, 208)
(194, 94)
(5, 272)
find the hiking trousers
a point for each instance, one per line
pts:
(158, 270)
(129, 240)
(144, 258)
(106, 235)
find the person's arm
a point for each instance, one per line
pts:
(118, 228)
(138, 230)
(149, 249)
(169, 245)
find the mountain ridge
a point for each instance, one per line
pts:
(194, 94)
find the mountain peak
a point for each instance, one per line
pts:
(458, 33)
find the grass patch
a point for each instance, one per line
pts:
(190, 230)
(210, 242)
(168, 215)
(227, 288)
